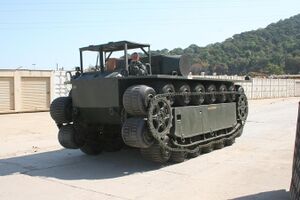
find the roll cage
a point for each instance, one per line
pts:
(106, 50)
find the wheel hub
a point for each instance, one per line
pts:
(159, 117)
(242, 107)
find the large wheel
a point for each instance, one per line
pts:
(221, 97)
(168, 88)
(67, 137)
(178, 156)
(61, 110)
(156, 154)
(91, 148)
(185, 99)
(198, 99)
(211, 98)
(135, 133)
(136, 99)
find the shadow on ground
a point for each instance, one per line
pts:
(270, 195)
(73, 165)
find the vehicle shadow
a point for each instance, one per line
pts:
(270, 195)
(73, 164)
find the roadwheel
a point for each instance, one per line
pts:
(198, 99)
(229, 142)
(169, 89)
(195, 154)
(178, 156)
(221, 97)
(231, 97)
(219, 145)
(185, 99)
(211, 98)
(207, 149)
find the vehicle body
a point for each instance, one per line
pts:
(165, 113)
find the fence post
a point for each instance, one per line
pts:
(295, 183)
(252, 83)
(286, 86)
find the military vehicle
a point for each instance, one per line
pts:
(167, 114)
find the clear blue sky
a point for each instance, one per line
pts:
(45, 32)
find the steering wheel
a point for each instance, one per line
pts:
(124, 72)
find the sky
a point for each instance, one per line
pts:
(43, 34)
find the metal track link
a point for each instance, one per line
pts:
(174, 146)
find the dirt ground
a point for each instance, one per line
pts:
(258, 166)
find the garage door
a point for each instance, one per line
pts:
(6, 94)
(297, 89)
(35, 93)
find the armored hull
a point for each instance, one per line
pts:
(193, 115)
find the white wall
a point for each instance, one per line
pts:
(61, 88)
(262, 88)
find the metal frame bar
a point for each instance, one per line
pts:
(101, 60)
(106, 58)
(81, 61)
(149, 55)
(126, 57)
(144, 51)
(102, 54)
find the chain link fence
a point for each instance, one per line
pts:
(263, 88)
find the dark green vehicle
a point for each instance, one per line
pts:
(154, 106)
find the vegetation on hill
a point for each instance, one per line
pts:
(272, 50)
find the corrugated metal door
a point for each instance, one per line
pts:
(35, 93)
(297, 92)
(6, 94)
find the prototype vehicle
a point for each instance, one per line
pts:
(165, 113)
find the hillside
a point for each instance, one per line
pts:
(272, 50)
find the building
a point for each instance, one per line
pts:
(26, 90)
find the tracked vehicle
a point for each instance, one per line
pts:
(167, 114)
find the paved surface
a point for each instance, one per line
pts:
(257, 166)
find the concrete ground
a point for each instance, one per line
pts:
(258, 166)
